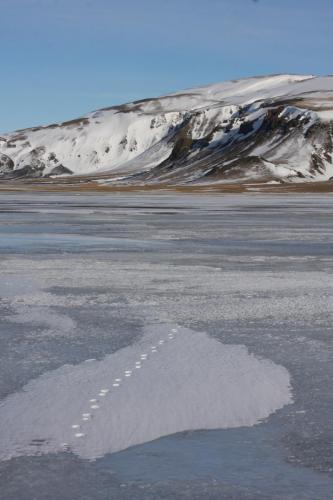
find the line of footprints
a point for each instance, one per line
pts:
(95, 402)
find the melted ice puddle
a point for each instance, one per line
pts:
(191, 382)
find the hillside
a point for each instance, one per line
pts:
(274, 128)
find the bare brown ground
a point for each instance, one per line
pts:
(82, 184)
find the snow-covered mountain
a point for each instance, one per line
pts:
(264, 128)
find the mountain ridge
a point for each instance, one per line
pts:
(276, 128)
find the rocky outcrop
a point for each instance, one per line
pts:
(6, 165)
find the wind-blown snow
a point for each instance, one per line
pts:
(173, 380)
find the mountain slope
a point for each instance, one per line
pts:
(265, 128)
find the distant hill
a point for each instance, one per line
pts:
(272, 128)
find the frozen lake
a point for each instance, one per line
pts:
(158, 346)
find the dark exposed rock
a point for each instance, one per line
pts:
(233, 157)
(74, 123)
(60, 170)
(182, 146)
(27, 171)
(6, 165)
(246, 127)
(52, 157)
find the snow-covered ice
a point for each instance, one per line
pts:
(238, 288)
(195, 383)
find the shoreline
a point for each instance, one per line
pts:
(86, 185)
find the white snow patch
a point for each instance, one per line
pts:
(325, 115)
(194, 382)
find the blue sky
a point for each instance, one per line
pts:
(63, 58)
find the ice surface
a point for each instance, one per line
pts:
(253, 270)
(194, 382)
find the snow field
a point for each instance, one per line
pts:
(176, 380)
